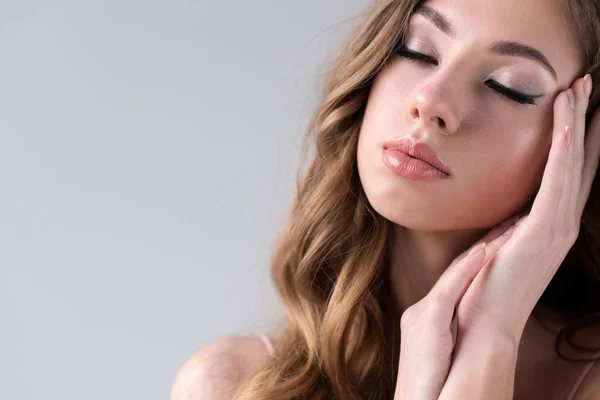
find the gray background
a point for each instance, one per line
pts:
(147, 160)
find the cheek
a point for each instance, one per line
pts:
(510, 173)
(515, 143)
(530, 144)
(502, 164)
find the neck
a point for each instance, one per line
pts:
(419, 258)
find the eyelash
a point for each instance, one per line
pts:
(500, 89)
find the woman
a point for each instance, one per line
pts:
(377, 241)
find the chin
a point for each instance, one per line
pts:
(417, 215)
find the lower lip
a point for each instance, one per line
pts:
(412, 168)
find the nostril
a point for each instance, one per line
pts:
(439, 121)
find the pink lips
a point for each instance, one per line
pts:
(413, 160)
(417, 150)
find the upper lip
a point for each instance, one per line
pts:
(418, 150)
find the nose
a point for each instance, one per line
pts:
(435, 106)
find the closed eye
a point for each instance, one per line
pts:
(508, 93)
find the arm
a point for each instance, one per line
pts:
(483, 367)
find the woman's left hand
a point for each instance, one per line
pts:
(506, 290)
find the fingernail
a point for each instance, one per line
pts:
(568, 135)
(571, 98)
(477, 249)
(587, 85)
(510, 230)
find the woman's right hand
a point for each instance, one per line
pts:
(428, 329)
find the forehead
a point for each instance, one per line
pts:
(536, 23)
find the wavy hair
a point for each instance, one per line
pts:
(329, 265)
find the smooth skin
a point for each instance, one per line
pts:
(497, 282)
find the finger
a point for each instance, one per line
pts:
(492, 234)
(548, 198)
(455, 281)
(590, 166)
(575, 153)
(491, 248)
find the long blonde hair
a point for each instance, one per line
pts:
(330, 263)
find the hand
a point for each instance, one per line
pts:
(428, 328)
(505, 292)
(468, 284)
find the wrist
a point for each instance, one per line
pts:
(494, 339)
(495, 329)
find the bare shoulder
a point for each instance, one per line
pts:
(216, 370)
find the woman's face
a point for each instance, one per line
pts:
(495, 147)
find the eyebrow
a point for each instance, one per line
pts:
(502, 47)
